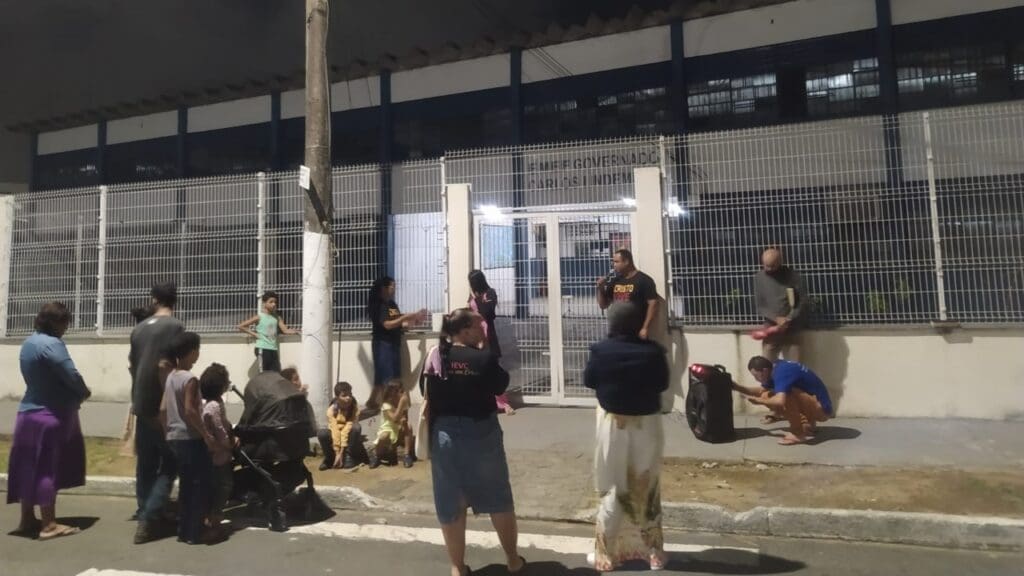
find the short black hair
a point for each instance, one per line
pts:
(140, 313)
(625, 254)
(270, 294)
(183, 345)
(52, 317)
(214, 381)
(759, 363)
(288, 373)
(342, 387)
(165, 294)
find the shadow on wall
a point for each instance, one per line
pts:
(679, 361)
(365, 363)
(828, 355)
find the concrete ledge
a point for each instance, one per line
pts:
(939, 530)
(975, 532)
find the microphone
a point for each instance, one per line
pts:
(612, 275)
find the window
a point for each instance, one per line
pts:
(240, 150)
(429, 128)
(615, 115)
(66, 170)
(355, 138)
(843, 88)
(141, 161)
(613, 104)
(956, 75)
(731, 96)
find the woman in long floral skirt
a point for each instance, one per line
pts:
(628, 374)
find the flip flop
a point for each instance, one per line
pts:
(792, 441)
(59, 532)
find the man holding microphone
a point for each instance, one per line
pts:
(627, 284)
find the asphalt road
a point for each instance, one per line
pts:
(389, 545)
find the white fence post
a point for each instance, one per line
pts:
(101, 262)
(933, 203)
(79, 237)
(458, 243)
(7, 212)
(261, 239)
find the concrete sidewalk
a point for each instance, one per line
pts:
(841, 442)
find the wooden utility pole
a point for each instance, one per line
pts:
(317, 255)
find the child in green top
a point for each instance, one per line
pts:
(268, 325)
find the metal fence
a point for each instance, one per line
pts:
(902, 220)
(223, 241)
(890, 220)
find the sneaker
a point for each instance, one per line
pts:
(374, 460)
(408, 461)
(347, 461)
(145, 532)
(324, 466)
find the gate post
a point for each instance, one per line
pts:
(458, 243)
(7, 207)
(649, 250)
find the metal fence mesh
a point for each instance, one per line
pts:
(53, 257)
(890, 220)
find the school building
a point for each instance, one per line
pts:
(880, 143)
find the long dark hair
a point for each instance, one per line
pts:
(373, 300)
(451, 325)
(478, 282)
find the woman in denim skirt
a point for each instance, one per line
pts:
(466, 447)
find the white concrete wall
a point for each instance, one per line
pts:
(104, 363)
(159, 125)
(798, 20)
(67, 140)
(647, 46)
(871, 373)
(906, 11)
(890, 372)
(229, 114)
(451, 78)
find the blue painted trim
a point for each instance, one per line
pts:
(889, 94)
(606, 82)
(886, 60)
(386, 234)
(275, 131)
(679, 88)
(183, 142)
(515, 90)
(965, 30)
(680, 112)
(183, 170)
(101, 151)
(33, 151)
(520, 230)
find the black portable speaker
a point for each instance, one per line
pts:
(709, 404)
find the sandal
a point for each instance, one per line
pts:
(60, 530)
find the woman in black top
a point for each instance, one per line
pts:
(467, 451)
(386, 345)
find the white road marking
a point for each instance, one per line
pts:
(111, 572)
(475, 538)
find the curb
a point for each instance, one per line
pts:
(918, 529)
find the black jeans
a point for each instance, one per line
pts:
(195, 474)
(155, 469)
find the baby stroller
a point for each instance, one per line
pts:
(273, 434)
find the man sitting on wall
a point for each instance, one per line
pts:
(790, 388)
